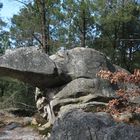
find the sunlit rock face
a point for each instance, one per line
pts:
(30, 65)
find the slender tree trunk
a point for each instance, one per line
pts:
(83, 31)
(44, 29)
(42, 9)
(123, 47)
(113, 56)
(48, 33)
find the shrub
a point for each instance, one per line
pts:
(122, 102)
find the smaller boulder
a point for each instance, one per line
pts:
(79, 125)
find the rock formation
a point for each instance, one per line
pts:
(79, 125)
(32, 66)
(65, 81)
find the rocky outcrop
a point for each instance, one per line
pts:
(79, 125)
(68, 80)
(68, 77)
(33, 66)
(84, 88)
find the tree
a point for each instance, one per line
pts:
(79, 21)
(38, 19)
(4, 35)
(12, 93)
(25, 30)
(16, 94)
(45, 31)
(116, 20)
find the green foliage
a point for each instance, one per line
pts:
(16, 94)
(79, 22)
(4, 35)
(25, 27)
(118, 23)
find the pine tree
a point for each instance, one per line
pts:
(118, 35)
(79, 21)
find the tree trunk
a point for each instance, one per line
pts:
(123, 46)
(42, 9)
(83, 31)
(44, 29)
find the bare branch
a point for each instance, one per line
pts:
(37, 39)
(25, 4)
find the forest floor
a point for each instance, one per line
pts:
(17, 128)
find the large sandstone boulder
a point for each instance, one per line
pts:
(83, 86)
(81, 93)
(81, 62)
(30, 65)
(79, 125)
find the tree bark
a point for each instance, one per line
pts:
(83, 31)
(43, 13)
(44, 29)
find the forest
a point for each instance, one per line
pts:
(109, 26)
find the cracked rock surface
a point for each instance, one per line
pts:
(80, 125)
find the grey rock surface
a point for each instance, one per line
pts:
(81, 62)
(79, 125)
(83, 86)
(28, 59)
(79, 92)
(32, 66)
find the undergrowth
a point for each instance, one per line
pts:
(123, 102)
